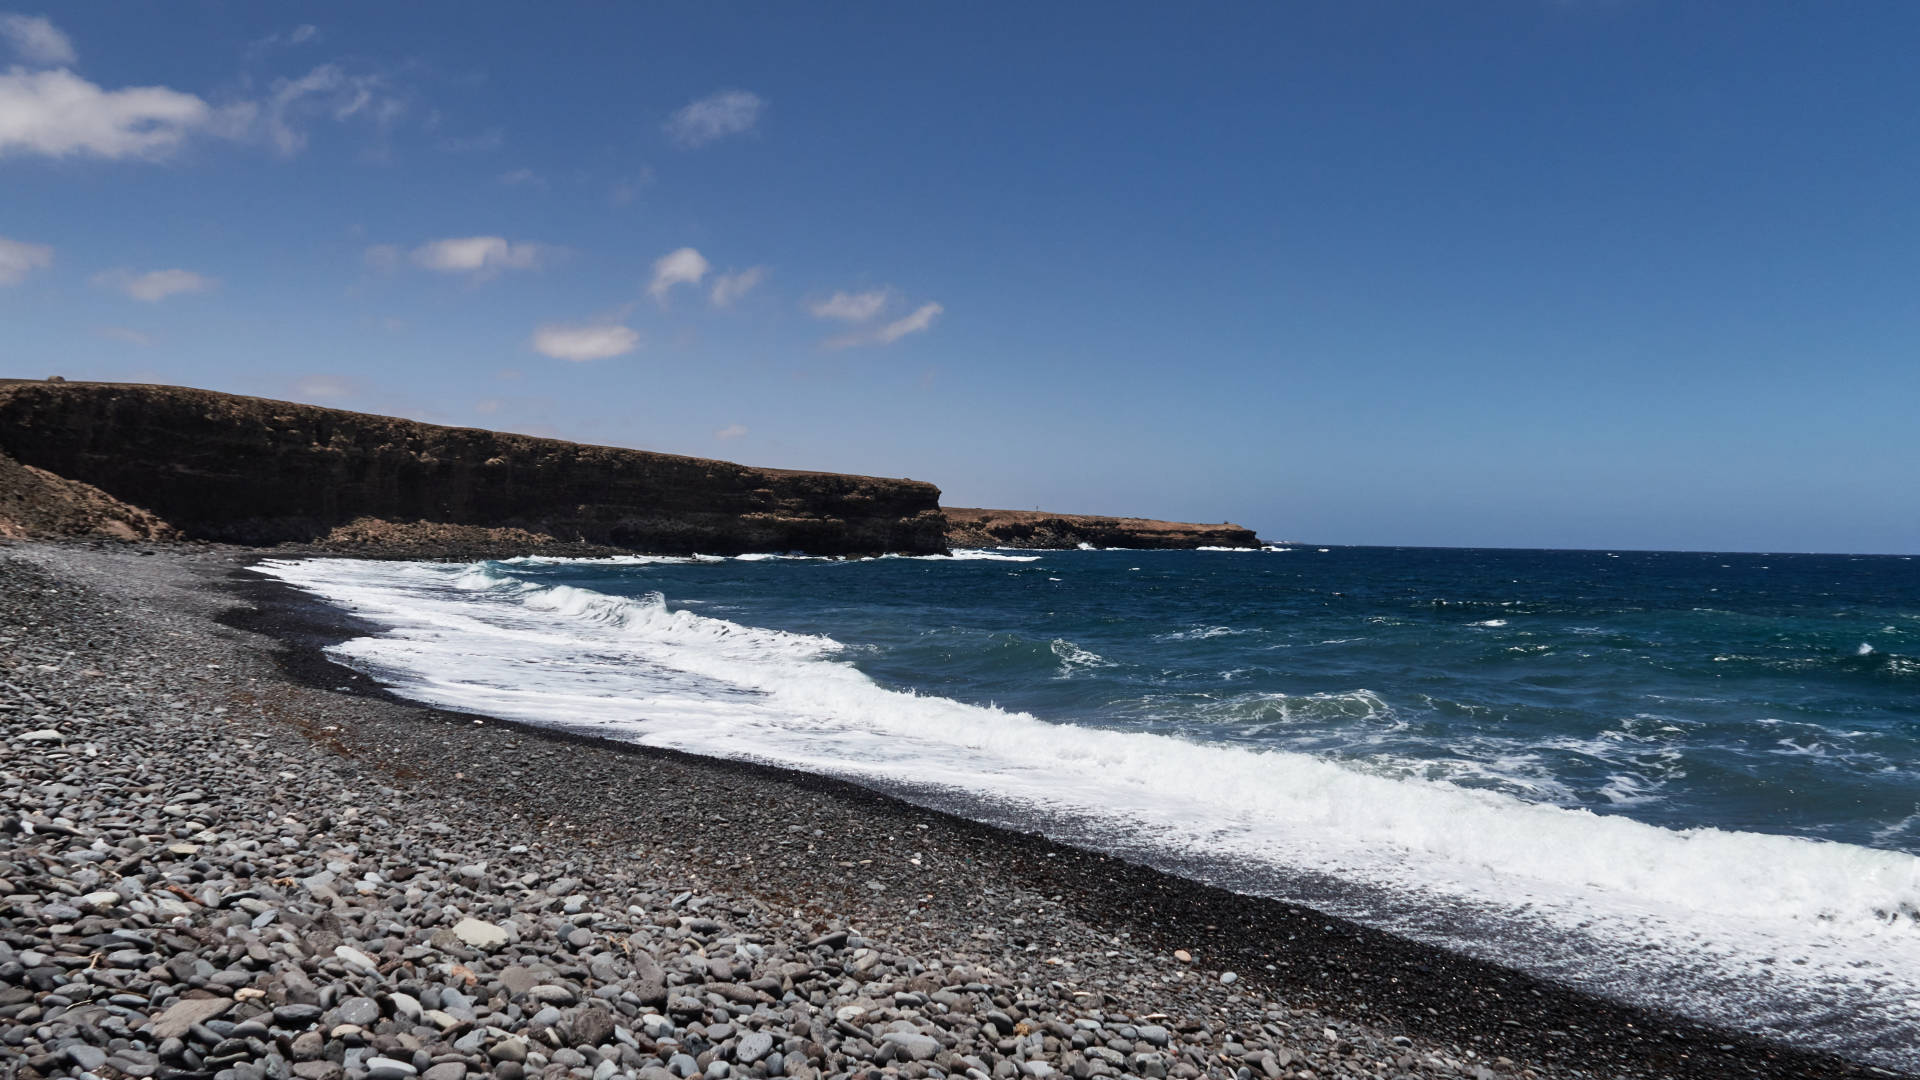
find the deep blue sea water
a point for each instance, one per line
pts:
(1706, 766)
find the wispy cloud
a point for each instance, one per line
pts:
(717, 116)
(328, 91)
(154, 285)
(383, 257)
(919, 320)
(486, 141)
(33, 40)
(299, 35)
(731, 431)
(728, 288)
(121, 333)
(582, 343)
(19, 258)
(628, 188)
(327, 387)
(522, 178)
(682, 267)
(479, 255)
(850, 307)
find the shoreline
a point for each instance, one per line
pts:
(973, 889)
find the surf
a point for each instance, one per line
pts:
(1719, 924)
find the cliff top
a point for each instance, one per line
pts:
(1035, 517)
(220, 401)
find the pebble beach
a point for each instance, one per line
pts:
(223, 856)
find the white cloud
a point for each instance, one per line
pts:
(299, 35)
(683, 267)
(522, 177)
(19, 258)
(729, 112)
(850, 307)
(36, 42)
(728, 288)
(581, 343)
(731, 431)
(326, 91)
(154, 285)
(921, 318)
(121, 333)
(46, 109)
(60, 114)
(480, 255)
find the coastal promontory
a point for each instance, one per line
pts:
(140, 461)
(968, 527)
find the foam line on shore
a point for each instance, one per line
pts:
(956, 555)
(1787, 919)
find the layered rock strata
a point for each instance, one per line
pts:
(253, 471)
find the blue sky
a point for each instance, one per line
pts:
(1572, 274)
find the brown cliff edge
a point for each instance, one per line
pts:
(967, 527)
(145, 462)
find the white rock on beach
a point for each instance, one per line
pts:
(354, 958)
(480, 934)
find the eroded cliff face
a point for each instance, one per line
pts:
(35, 504)
(1038, 529)
(253, 471)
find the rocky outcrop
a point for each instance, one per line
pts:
(1038, 529)
(35, 504)
(253, 471)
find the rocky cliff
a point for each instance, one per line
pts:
(253, 471)
(36, 503)
(1038, 529)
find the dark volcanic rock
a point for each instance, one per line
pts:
(249, 470)
(36, 503)
(1038, 529)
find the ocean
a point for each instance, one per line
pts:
(1685, 780)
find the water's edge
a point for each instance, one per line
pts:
(1423, 973)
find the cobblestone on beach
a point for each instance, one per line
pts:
(205, 872)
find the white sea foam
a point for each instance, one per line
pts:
(1198, 633)
(607, 560)
(957, 555)
(976, 555)
(1761, 930)
(1074, 658)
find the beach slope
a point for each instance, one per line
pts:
(225, 856)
